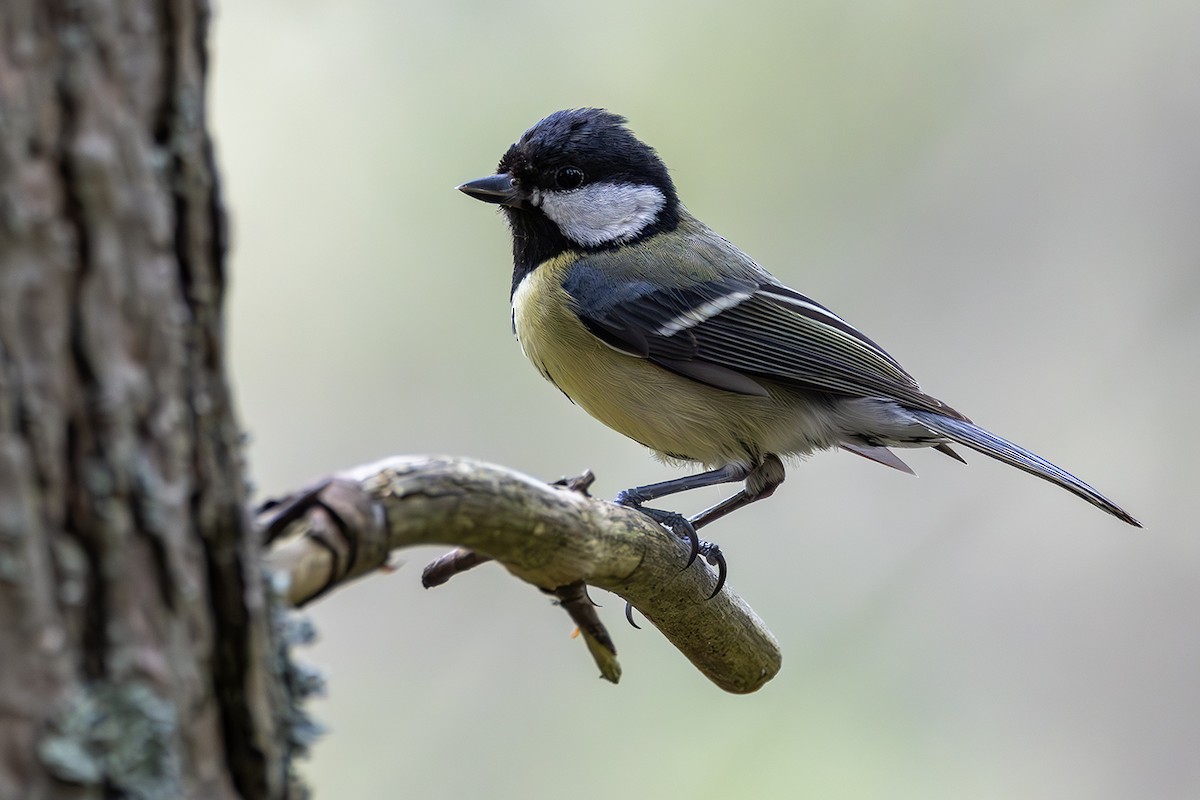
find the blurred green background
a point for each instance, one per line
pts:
(1006, 195)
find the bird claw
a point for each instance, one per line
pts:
(713, 555)
(682, 527)
(673, 521)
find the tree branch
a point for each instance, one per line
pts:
(554, 537)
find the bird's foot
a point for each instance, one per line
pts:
(673, 521)
(713, 555)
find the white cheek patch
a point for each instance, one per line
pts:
(603, 213)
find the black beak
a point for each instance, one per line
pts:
(498, 189)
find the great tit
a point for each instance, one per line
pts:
(666, 332)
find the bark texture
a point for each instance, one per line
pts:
(133, 634)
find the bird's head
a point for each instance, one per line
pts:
(579, 179)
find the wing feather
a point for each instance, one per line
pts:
(732, 331)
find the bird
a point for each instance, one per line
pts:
(668, 333)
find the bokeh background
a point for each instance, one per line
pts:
(1006, 195)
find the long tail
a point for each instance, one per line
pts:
(990, 444)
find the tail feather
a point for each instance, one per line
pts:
(946, 449)
(880, 455)
(971, 435)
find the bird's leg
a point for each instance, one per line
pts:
(730, 473)
(675, 522)
(760, 483)
(726, 506)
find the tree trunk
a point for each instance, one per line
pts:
(135, 650)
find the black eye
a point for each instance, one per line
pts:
(569, 178)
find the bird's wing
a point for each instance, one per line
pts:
(729, 330)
